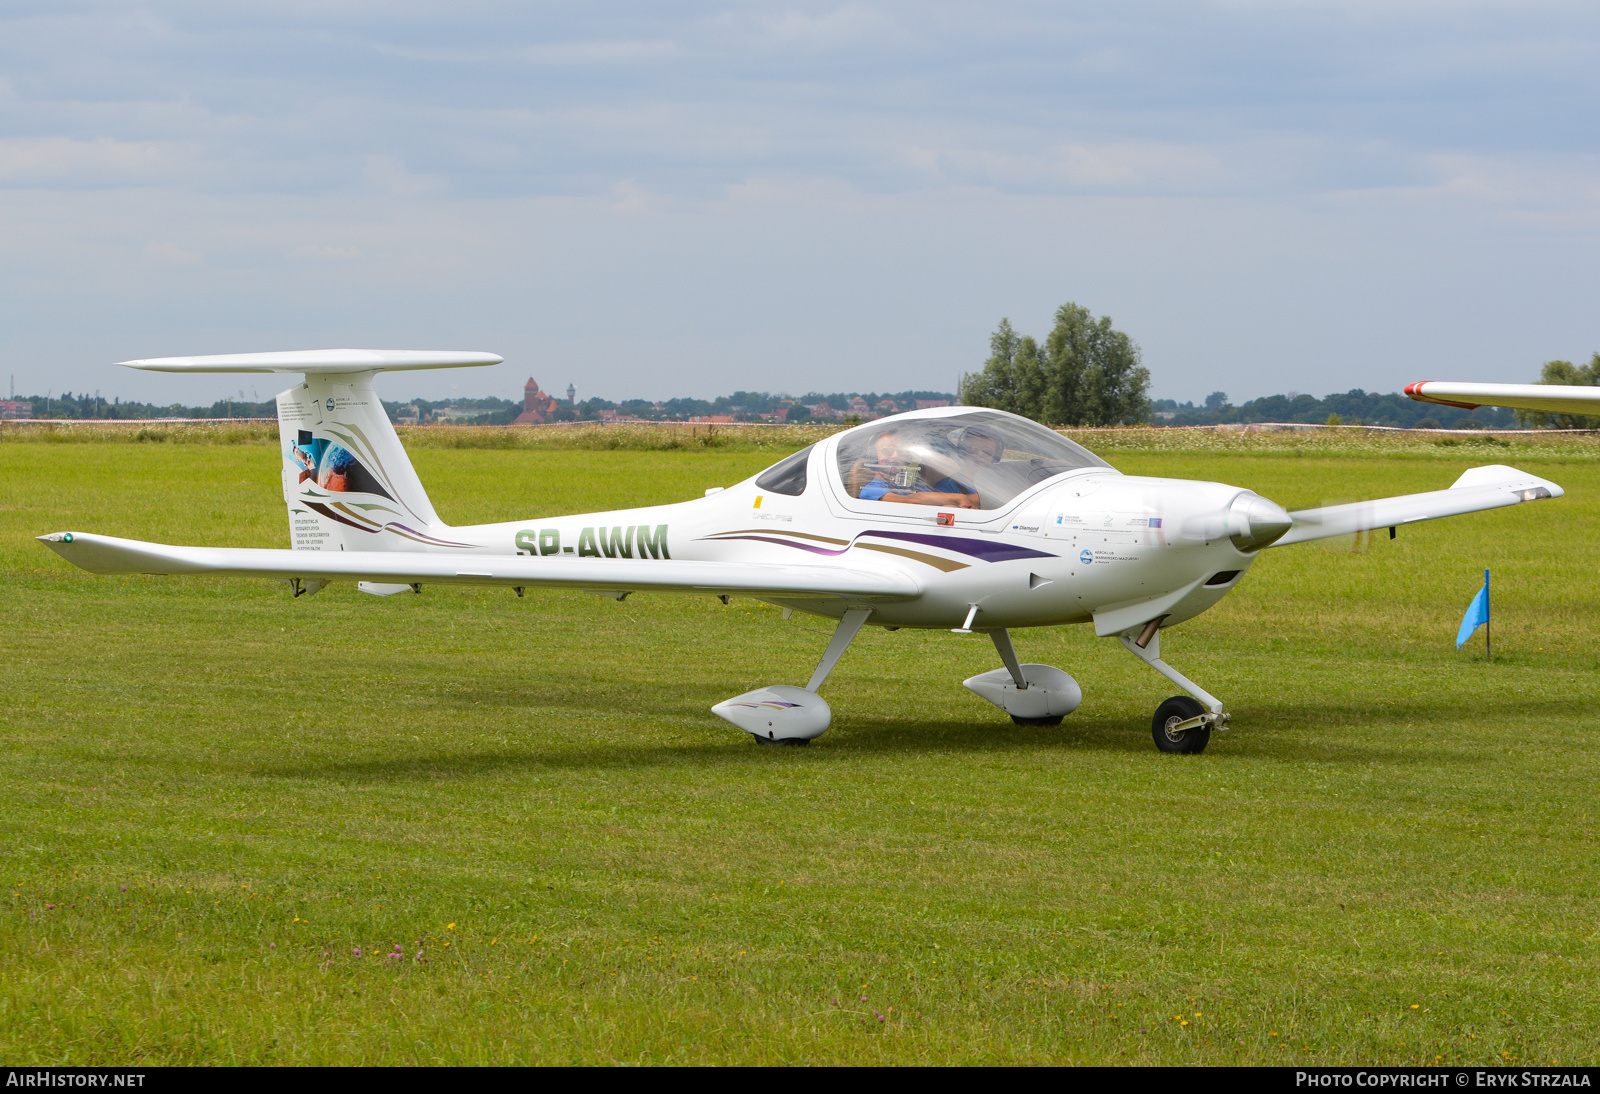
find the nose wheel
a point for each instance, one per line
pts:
(1182, 723)
(1178, 726)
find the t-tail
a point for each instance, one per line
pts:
(347, 481)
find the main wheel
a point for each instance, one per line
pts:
(1179, 708)
(792, 742)
(1047, 720)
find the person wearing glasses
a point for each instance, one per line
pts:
(897, 474)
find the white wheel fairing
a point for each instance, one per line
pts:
(778, 713)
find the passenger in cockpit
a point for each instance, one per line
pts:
(898, 478)
(977, 448)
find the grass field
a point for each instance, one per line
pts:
(224, 809)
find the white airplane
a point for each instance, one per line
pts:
(958, 518)
(1550, 398)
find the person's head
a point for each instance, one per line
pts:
(979, 447)
(890, 448)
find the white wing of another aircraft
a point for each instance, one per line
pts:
(950, 518)
(1550, 398)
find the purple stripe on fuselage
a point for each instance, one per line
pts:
(987, 550)
(973, 548)
(785, 543)
(424, 535)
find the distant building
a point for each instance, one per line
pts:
(15, 409)
(537, 407)
(887, 406)
(822, 410)
(858, 405)
(927, 404)
(408, 415)
(572, 395)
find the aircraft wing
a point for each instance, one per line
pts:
(1478, 488)
(111, 555)
(1550, 398)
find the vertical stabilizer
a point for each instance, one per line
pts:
(346, 478)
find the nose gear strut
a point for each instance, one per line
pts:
(1181, 724)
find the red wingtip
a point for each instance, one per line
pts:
(1415, 390)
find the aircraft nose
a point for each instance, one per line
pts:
(1254, 522)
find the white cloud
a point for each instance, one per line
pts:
(600, 52)
(169, 253)
(388, 175)
(853, 26)
(102, 161)
(323, 252)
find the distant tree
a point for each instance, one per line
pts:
(1011, 378)
(1087, 373)
(1334, 419)
(1568, 374)
(1426, 423)
(1217, 400)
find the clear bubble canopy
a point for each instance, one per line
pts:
(977, 460)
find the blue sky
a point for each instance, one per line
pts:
(684, 199)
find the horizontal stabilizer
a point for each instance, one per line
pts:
(110, 555)
(320, 361)
(1477, 489)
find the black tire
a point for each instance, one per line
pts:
(1047, 720)
(1179, 708)
(792, 742)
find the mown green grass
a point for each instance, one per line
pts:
(222, 791)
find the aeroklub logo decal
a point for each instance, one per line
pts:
(1086, 557)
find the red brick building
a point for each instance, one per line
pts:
(537, 406)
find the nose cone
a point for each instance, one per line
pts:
(1254, 522)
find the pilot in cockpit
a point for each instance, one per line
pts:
(900, 476)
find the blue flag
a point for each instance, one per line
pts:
(1477, 613)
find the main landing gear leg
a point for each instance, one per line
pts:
(1181, 724)
(849, 627)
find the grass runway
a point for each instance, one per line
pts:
(223, 810)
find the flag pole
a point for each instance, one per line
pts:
(1488, 626)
